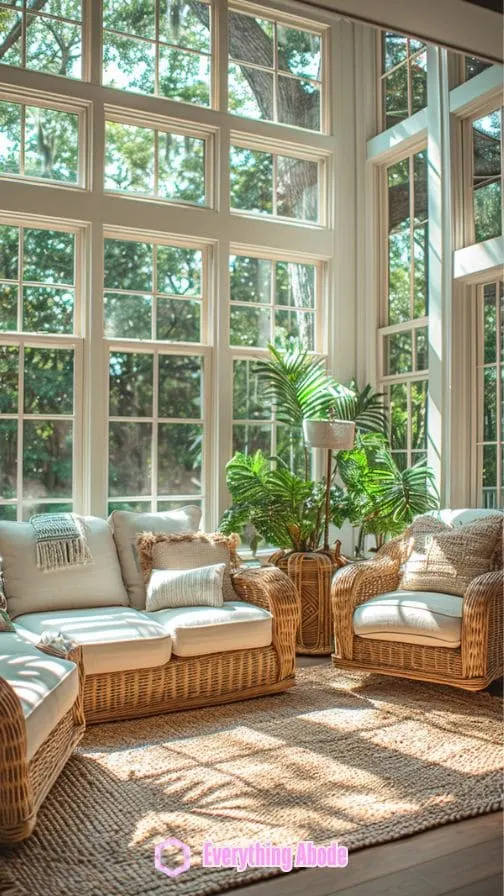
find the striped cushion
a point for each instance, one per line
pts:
(200, 587)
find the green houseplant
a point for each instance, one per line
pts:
(287, 507)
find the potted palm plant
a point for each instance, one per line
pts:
(288, 508)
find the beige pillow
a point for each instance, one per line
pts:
(189, 552)
(126, 526)
(451, 559)
(200, 587)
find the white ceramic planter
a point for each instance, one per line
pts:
(337, 435)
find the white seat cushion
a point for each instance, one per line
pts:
(200, 630)
(114, 639)
(415, 617)
(47, 686)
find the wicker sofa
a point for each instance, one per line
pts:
(437, 637)
(131, 663)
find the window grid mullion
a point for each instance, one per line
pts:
(155, 429)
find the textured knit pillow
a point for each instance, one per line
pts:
(6, 623)
(453, 558)
(158, 551)
(201, 587)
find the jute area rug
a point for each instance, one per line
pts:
(357, 759)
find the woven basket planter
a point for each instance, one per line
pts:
(312, 572)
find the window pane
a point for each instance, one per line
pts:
(489, 476)
(395, 49)
(290, 449)
(420, 186)
(53, 46)
(130, 446)
(179, 458)
(9, 250)
(128, 316)
(47, 459)
(419, 82)
(131, 378)
(185, 24)
(9, 364)
(251, 39)
(49, 256)
(128, 64)
(250, 326)
(250, 279)
(490, 324)
(249, 438)
(295, 284)
(419, 415)
(128, 265)
(251, 180)
(8, 306)
(298, 103)
(395, 96)
(487, 211)
(399, 353)
(178, 321)
(8, 511)
(184, 76)
(48, 309)
(399, 416)
(297, 189)
(487, 200)
(131, 506)
(48, 381)
(180, 386)
(248, 403)
(490, 404)
(420, 251)
(10, 137)
(250, 92)
(473, 66)
(299, 52)
(181, 168)
(8, 461)
(422, 348)
(294, 325)
(11, 33)
(131, 17)
(31, 509)
(179, 271)
(129, 158)
(52, 145)
(486, 145)
(399, 275)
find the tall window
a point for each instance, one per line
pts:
(404, 335)
(38, 359)
(403, 82)
(486, 144)
(490, 390)
(46, 37)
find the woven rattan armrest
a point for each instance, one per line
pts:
(353, 585)
(269, 588)
(482, 624)
(74, 654)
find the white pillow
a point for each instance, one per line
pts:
(200, 587)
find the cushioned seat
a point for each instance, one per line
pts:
(236, 625)
(414, 617)
(46, 686)
(113, 639)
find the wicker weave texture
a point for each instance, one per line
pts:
(311, 573)
(473, 666)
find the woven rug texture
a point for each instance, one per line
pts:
(354, 758)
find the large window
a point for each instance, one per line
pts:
(490, 392)
(45, 36)
(486, 155)
(404, 335)
(39, 357)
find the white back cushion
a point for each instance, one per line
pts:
(462, 516)
(29, 590)
(126, 526)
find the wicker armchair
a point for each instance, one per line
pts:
(472, 665)
(24, 784)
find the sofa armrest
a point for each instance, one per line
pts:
(74, 654)
(482, 625)
(353, 585)
(17, 805)
(271, 589)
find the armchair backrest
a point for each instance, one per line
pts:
(463, 516)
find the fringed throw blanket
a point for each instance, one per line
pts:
(60, 541)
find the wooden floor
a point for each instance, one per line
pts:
(462, 859)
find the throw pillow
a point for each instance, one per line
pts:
(201, 587)
(189, 552)
(453, 558)
(6, 623)
(126, 526)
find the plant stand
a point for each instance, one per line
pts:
(312, 572)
